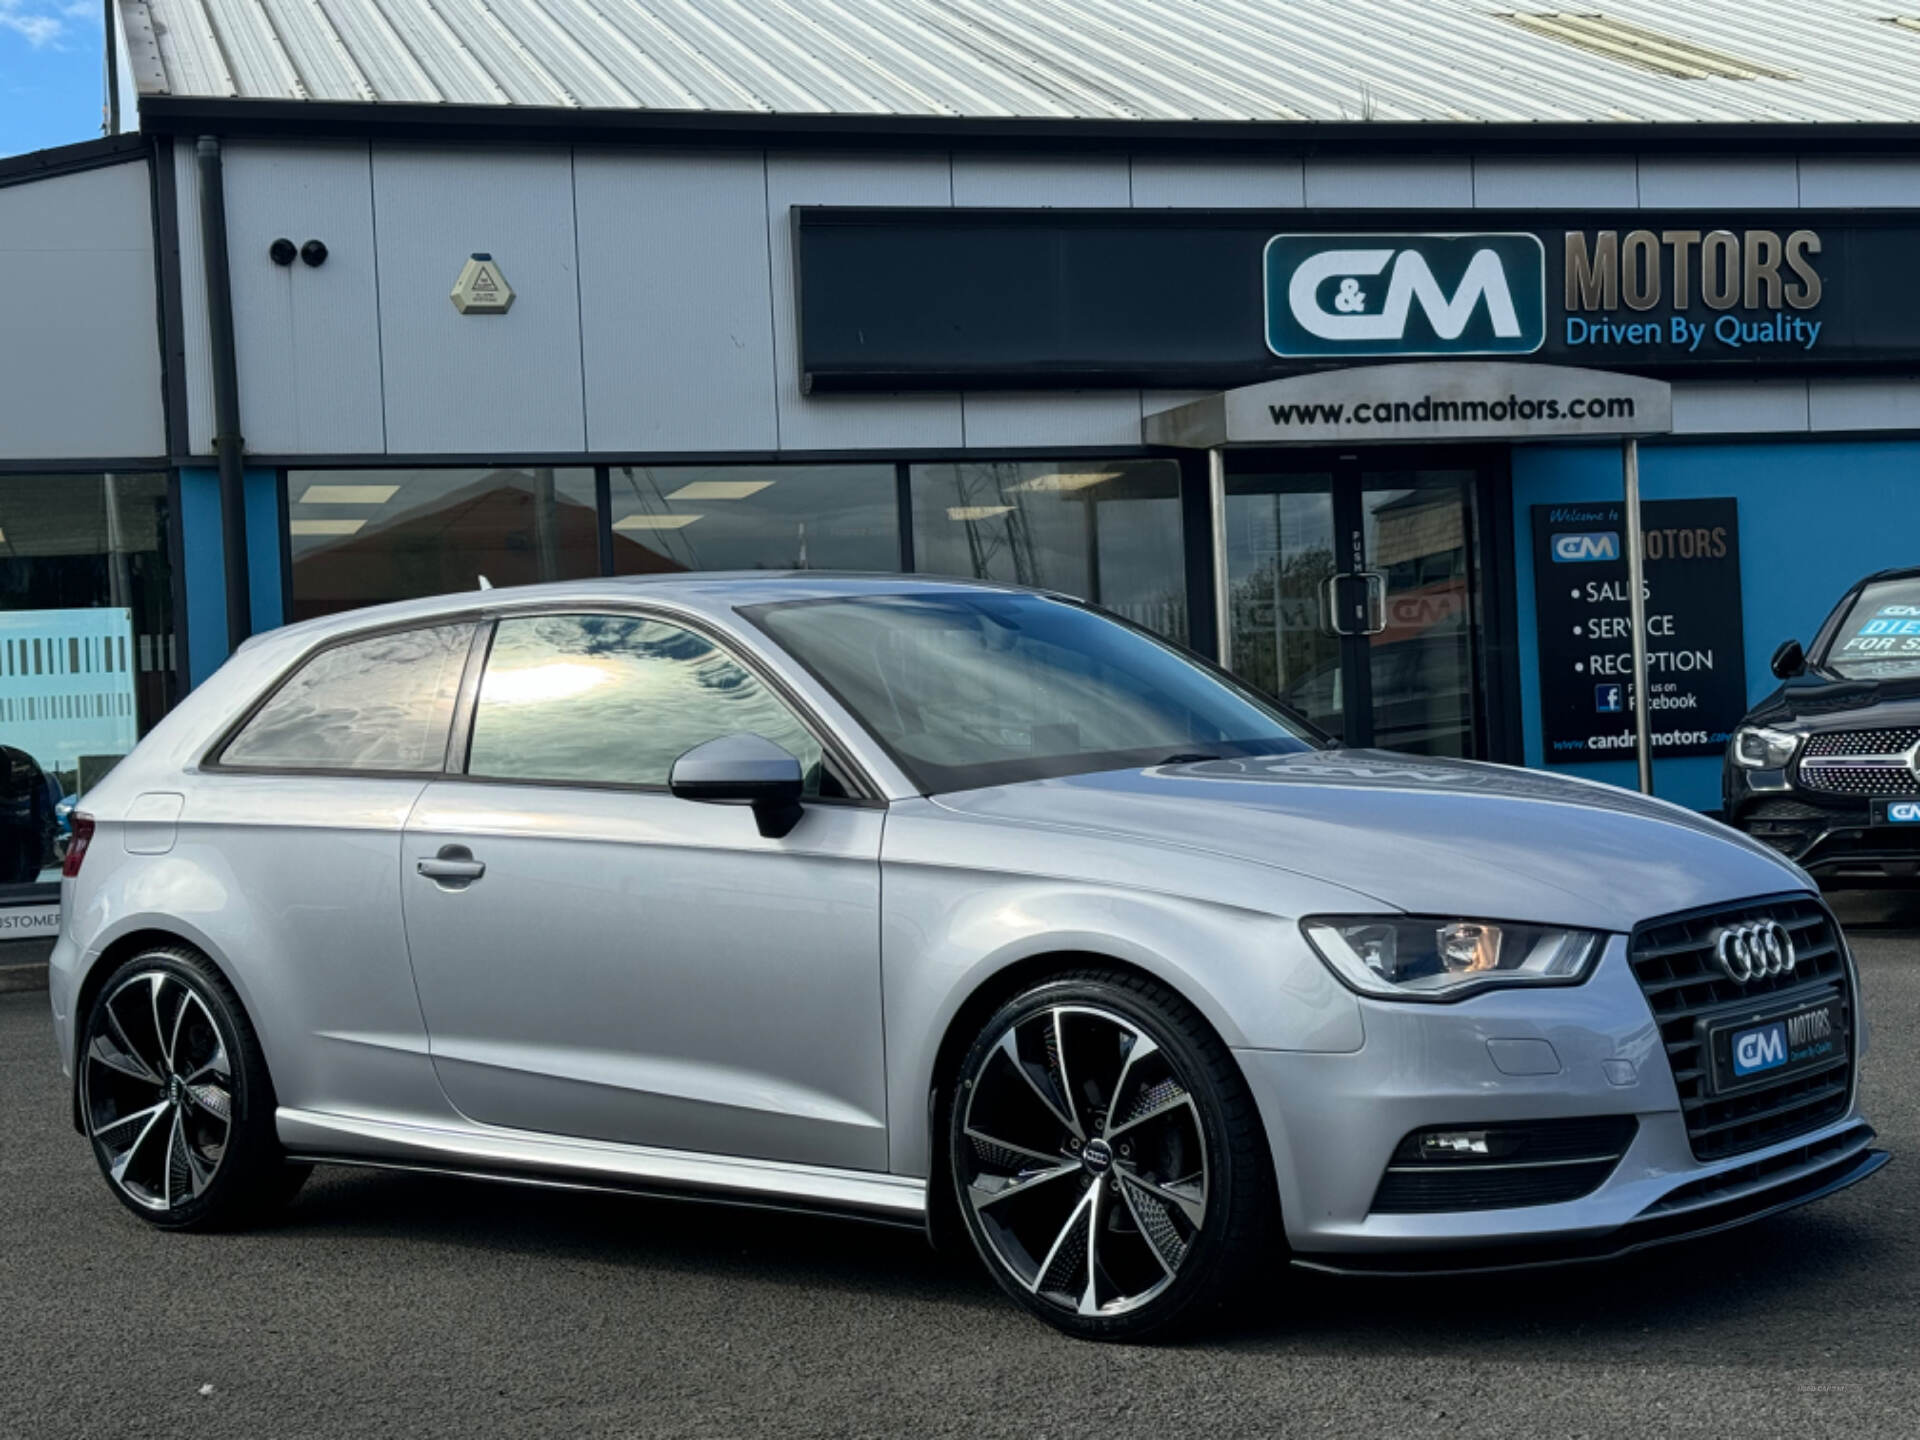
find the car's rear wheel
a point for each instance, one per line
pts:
(176, 1098)
(1107, 1159)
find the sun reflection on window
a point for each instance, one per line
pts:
(556, 680)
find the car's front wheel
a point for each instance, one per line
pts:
(1107, 1158)
(176, 1098)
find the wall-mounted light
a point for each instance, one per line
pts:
(314, 252)
(282, 251)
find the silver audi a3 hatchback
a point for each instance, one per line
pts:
(944, 904)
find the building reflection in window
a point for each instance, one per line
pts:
(1105, 530)
(746, 517)
(363, 537)
(87, 654)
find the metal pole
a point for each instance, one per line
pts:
(227, 444)
(110, 111)
(1637, 603)
(1217, 516)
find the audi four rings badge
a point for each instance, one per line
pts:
(1756, 951)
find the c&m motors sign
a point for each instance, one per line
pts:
(960, 298)
(1407, 295)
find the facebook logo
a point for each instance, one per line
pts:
(1610, 699)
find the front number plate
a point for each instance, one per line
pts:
(1758, 1052)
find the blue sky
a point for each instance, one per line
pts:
(50, 73)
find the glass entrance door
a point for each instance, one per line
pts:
(1354, 596)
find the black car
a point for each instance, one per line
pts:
(27, 822)
(1827, 767)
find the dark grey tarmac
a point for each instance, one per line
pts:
(389, 1304)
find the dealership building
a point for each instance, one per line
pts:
(1308, 336)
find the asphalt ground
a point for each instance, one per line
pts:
(390, 1304)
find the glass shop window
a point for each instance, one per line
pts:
(87, 654)
(742, 517)
(364, 537)
(1107, 531)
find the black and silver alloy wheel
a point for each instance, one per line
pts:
(1089, 1137)
(158, 1090)
(175, 1097)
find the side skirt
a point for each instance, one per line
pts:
(558, 1162)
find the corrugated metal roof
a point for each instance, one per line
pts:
(1223, 60)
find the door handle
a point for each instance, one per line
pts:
(1376, 583)
(454, 863)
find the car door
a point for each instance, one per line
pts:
(597, 958)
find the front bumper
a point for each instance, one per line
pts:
(1333, 1122)
(1832, 837)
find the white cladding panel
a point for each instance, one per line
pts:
(849, 422)
(1739, 407)
(1396, 184)
(1841, 181)
(1875, 403)
(1174, 180)
(474, 384)
(677, 332)
(80, 332)
(1725, 182)
(1041, 181)
(1051, 417)
(308, 348)
(1555, 182)
(687, 343)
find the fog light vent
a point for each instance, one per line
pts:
(1495, 1167)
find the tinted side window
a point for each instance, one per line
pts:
(616, 699)
(380, 704)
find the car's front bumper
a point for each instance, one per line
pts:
(1333, 1122)
(1833, 837)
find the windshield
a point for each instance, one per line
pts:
(1880, 637)
(971, 688)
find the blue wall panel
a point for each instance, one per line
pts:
(263, 550)
(205, 564)
(1814, 517)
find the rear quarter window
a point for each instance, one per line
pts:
(381, 705)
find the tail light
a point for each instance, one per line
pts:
(77, 845)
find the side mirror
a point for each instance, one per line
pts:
(743, 769)
(1789, 660)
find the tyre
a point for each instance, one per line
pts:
(176, 1098)
(1107, 1158)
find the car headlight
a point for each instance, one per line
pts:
(1757, 748)
(1411, 957)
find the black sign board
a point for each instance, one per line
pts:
(1696, 656)
(899, 299)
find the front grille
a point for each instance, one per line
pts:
(1536, 1162)
(1893, 775)
(1688, 991)
(1854, 778)
(1864, 742)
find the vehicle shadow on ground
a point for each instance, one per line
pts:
(1699, 1297)
(1892, 910)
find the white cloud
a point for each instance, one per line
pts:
(49, 22)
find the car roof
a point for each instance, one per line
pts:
(710, 592)
(1907, 572)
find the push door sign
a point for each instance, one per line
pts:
(481, 288)
(1696, 656)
